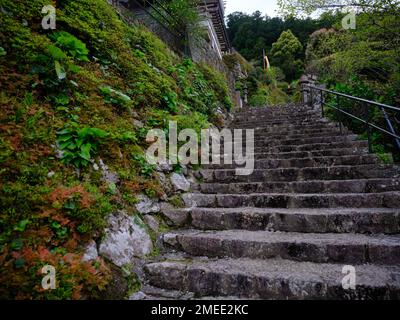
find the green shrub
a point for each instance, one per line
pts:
(75, 47)
(194, 120)
(79, 145)
(116, 97)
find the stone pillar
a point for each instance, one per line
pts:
(305, 89)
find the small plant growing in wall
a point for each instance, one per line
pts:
(78, 145)
(116, 98)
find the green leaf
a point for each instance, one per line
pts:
(67, 145)
(61, 74)
(98, 133)
(74, 68)
(70, 205)
(112, 189)
(62, 99)
(85, 151)
(21, 225)
(17, 244)
(19, 263)
(64, 131)
(56, 53)
(83, 133)
(2, 52)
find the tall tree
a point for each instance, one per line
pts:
(293, 7)
(286, 53)
(250, 34)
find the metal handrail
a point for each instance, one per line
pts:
(167, 17)
(383, 107)
(356, 98)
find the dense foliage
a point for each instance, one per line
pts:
(364, 62)
(287, 52)
(292, 7)
(250, 34)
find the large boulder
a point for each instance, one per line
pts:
(125, 239)
(146, 205)
(108, 176)
(90, 252)
(177, 217)
(164, 167)
(165, 183)
(179, 182)
(152, 222)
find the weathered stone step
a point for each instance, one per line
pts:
(281, 124)
(274, 279)
(302, 174)
(362, 220)
(259, 136)
(269, 142)
(279, 119)
(304, 131)
(261, 156)
(311, 186)
(311, 140)
(306, 147)
(296, 200)
(265, 140)
(304, 162)
(274, 111)
(312, 153)
(322, 124)
(310, 147)
(314, 247)
(152, 293)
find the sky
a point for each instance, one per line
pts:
(249, 6)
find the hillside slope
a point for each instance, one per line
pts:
(76, 106)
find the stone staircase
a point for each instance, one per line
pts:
(317, 201)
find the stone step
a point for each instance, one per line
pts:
(296, 200)
(265, 140)
(312, 153)
(288, 125)
(322, 124)
(153, 293)
(314, 247)
(302, 174)
(274, 112)
(368, 220)
(304, 162)
(304, 131)
(311, 140)
(311, 186)
(280, 119)
(305, 147)
(269, 142)
(274, 279)
(311, 147)
(259, 136)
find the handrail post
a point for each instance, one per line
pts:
(305, 89)
(311, 97)
(390, 126)
(368, 118)
(339, 115)
(322, 103)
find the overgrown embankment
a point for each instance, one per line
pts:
(76, 105)
(363, 62)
